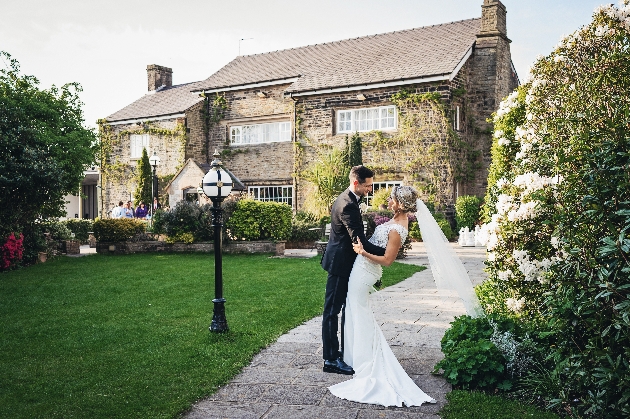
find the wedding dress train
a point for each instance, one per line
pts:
(379, 378)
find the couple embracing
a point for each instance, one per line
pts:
(354, 264)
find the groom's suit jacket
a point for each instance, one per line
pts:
(345, 224)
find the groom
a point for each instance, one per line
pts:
(345, 225)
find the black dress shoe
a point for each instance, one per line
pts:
(338, 367)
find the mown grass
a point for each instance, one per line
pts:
(476, 405)
(127, 336)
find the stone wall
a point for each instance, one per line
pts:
(125, 248)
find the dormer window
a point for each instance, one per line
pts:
(367, 119)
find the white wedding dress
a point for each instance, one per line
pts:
(379, 378)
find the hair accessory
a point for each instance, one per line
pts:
(406, 196)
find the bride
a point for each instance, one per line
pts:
(379, 378)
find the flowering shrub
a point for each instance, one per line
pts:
(12, 251)
(557, 212)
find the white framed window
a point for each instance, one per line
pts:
(138, 142)
(380, 185)
(260, 133)
(282, 193)
(366, 119)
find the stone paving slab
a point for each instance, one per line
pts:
(286, 380)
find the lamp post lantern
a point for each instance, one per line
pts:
(154, 161)
(217, 185)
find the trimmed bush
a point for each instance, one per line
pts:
(301, 227)
(80, 228)
(117, 229)
(467, 211)
(255, 220)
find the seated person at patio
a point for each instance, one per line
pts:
(141, 211)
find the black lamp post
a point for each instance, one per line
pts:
(154, 161)
(217, 185)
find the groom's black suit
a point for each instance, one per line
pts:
(339, 256)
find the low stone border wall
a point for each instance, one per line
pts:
(125, 248)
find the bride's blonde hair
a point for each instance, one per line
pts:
(406, 196)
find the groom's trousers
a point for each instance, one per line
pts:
(336, 292)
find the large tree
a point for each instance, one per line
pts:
(44, 149)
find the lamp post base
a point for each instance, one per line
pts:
(219, 322)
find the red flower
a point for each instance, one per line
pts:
(12, 251)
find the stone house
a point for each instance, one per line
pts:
(419, 99)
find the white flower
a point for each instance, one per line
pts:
(504, 204)
(498, 133)
(492, 256)
(555, 242)
(501, 183)
(559, 58)
(504, 275)
(601, 30)
(503, 141)
(524, 212)
(532, 181)
(532, 269)
(515, 305)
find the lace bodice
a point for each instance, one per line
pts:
(381, 234)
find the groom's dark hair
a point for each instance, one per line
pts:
(360, 173)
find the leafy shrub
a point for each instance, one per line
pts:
(117, 229)
(302, 225)
(57, 230)
(558, 210)
(467, 211)
(380, 198)
(80, 228)
(180, 237)
(255, 220)
(445, 226)
(471, 359)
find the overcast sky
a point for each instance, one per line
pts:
(106, 45)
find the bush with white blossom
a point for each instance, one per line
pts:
(557, 212)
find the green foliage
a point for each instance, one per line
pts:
(380, 198)
(117, 229)
(477, 405)
(354, 149)
(471, 359)
(445, 226)
(80, 228)
(414, 231)
(303, 227)
(58, 230)
(467, 211)
(185, 217)
(255, 220)
(180, 237)
(45, 149)
(143, 180)
(559, 213)
(328, 176)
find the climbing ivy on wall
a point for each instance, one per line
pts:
(118, 172)
(212, 111)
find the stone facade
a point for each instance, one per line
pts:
(471, 96)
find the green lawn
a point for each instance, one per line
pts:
(127, 336)
(475, 405)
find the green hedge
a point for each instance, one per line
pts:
(305, 227)
(117, 229)
(255, 220)
(467, 211)
(80, 228)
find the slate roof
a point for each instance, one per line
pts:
(414, 53)
(168, 101)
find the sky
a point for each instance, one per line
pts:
(106, 45)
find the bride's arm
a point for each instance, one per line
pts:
(391, 251)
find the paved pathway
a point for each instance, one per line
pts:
(286, 380)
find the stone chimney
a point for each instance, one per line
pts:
(493, 18)
(159, 76)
